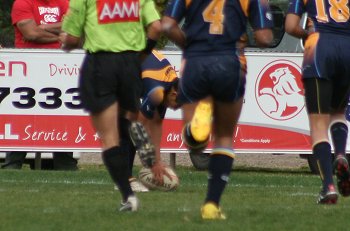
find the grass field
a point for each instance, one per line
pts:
(255, 199)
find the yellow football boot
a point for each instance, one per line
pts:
(201, 122)
(212, 212)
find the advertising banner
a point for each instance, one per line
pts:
(41, 110)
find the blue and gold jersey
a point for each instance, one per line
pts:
(330, 16)
(216, 25)
(158, 76)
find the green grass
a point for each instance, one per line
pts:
(255, 199)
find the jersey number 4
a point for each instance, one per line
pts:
(213, 14)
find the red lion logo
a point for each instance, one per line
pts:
(279, 91)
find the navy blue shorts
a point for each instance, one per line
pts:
(326, 72)
(107, 78)
(327, 56)
(221, 77)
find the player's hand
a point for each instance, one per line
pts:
(63, 40)
(159, 171)
(68, 42)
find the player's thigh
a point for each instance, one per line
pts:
(98, 81)
(318, 95)
(226, 116)
(130, 85)
(340, 97)
(106, 125)
(193, 82)
(188, 111)
(227, 79)
(219, 76)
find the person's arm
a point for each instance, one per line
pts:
(261, 20)
(292, 26)
(69, 42)
(33, 33)
(54, 28)
(154, 128)
(73, 25)
(151, 22)
(154, 30)
(153, 34)
(172, 30)
(263, 37)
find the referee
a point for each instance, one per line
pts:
(115, 34)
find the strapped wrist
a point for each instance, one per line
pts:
(150, 44)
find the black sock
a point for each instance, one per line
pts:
(339, 132)
(220, 167)
(126, 142)
(116, 161)
(131, 151)
(322, 152)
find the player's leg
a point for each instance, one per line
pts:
(201, 122)
(102, 87)
(197, 119)
(126, 143)
(318, 94)
(339, 134)
(124, 124)
(114, 156)
(221, 159)
(193, 95)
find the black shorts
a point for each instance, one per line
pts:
(109, 77)
(324, 96)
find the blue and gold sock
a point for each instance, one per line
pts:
(220, 166)
(339, 132)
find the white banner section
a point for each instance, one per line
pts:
(41, 110)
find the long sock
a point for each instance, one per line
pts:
(220, 166)
(126, 142)
(339, 132)
(116, 161)
(132, 152)
(322, 152)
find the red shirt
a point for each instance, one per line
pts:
(42, 12)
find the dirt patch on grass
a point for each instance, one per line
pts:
(285, 161)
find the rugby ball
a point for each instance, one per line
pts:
(169, 184)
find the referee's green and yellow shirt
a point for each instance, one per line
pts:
(110, 25)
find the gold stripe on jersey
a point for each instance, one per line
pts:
(166, 74)
(243, 62)
(157, 95)
(310, 47)
(188, 2)
(245, 6)
(158, 55)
